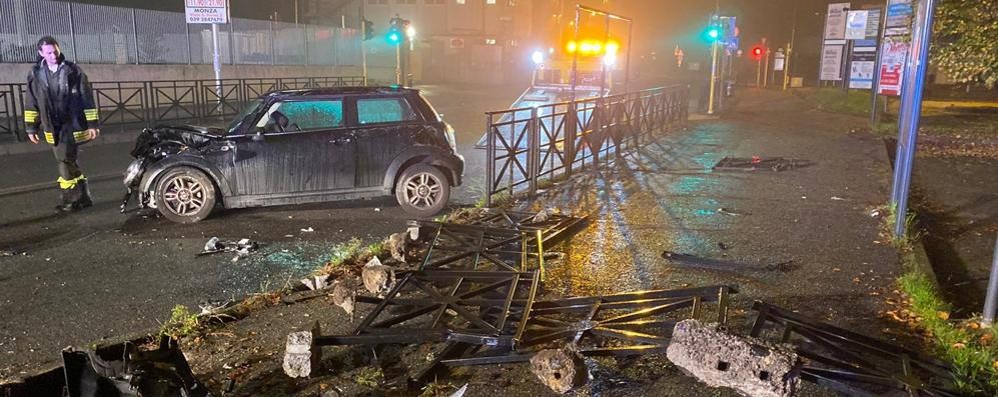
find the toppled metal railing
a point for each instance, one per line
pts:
(526, 145)
(624, 324)
(855, 364)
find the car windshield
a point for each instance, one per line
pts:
(247, 112)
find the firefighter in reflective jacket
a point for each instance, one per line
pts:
(59, 108)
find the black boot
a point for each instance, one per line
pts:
(76, 198)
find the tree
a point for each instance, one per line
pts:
(965, 46)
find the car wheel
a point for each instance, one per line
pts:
(423, 190)
(185, 195)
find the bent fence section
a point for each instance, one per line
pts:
(136, 104)
(527, 145)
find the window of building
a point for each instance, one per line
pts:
(460, 2)
(384, 110)
(493, 2)
(490, 41)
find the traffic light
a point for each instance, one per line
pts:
(368, 30)
(714, 31)
(757, 52)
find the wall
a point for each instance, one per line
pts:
(16, 72)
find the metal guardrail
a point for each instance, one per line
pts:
(527, 145)
(136, 104)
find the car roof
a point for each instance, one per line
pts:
(358, 90)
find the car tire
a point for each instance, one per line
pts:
(185, 195)
(423, 190)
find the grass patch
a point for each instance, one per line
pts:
(856, 102)
(971, 350)
(906, 242)
(182, 322)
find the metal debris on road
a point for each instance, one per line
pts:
(759, 163)
(727, 266)
(719, 358)
(122, 367)
(731, 212)
(855, 364)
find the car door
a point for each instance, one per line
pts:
(382, 127)
(306, 147)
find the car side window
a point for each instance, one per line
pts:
(384, 110)
(304, 116)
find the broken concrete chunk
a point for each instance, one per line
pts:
(751, 366)
(544, 215)
(315, 282)
(345, 295)
(378, 278)
(395, 244)
(300, 354)
(562, 370)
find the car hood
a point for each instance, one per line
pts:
(174, 138)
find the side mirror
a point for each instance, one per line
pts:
(258, 137)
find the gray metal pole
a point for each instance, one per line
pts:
(606, 39)
(914, 83)
(874, 94)
(363, 44)
(135, 37)
(216, 62)
(72, 32)
(991, 301)
(627, 72)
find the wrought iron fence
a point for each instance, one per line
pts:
(136, 104)
(527, 145)
(91, 33)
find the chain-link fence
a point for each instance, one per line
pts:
(90, 33)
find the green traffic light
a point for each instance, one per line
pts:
(713, 34)
(394, 38)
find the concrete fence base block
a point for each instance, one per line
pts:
(301, 356)
(752, 367)
(560, 369)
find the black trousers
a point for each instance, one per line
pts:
(72, 183)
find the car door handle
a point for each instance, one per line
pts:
(342, 141)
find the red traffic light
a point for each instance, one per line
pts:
(757, 52)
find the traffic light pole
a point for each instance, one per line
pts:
(398, 63)
(363, 43)
(713, 78)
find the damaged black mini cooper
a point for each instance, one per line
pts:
(302, 146)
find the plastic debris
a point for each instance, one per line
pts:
(308, 230)
(242, 248)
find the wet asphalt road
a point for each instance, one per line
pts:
(98, 274)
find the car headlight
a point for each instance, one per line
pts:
(133, 171)
(451, 140)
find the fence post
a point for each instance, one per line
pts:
(135, 37)
(187, 30)
(533, 151)
(571, 123)
(490, 160)
(273, 44)
(304, 35)
(72, 32)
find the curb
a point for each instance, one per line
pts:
(52, 185)
(14, 148)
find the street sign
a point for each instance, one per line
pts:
(856, 25)
(861, 69)
(779, 61)
(835, 21)
(894, 48)
(206, 11)
(831, 63)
